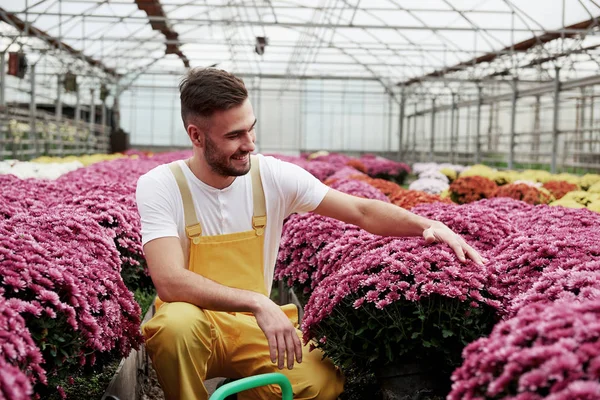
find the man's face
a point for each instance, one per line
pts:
(230, 140)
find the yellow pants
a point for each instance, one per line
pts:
(188, 345)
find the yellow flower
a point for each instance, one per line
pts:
(589, 180)
(595, 188)
(318, 154)
(567, 203)
(450, 173)
(594, 206)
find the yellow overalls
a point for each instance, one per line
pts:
(189, 344)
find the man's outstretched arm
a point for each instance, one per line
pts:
(386, 219)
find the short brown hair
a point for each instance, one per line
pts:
(206, 90)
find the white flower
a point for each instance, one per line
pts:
(428, 185)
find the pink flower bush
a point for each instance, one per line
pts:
(580, 283)
(320, 169)
(65, 268)
(333, 255)
(22, 194)
(544, 216)
(14, 384)
(482, 227)
(377, 166)
(20, 358)
(393, 280)
(339, 160)
(515, 208)
(547, 351)
(120, 219)
(518, 261)
(303, 237)
(343, 173)
(359, 189)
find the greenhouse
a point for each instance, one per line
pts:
(331, 199)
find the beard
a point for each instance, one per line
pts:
(222, 164)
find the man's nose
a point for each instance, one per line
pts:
(248, 144)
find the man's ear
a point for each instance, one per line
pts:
(196, 135)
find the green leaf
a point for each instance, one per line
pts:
(447, 333)
(415, 335)
(361, 330)
(388, 352)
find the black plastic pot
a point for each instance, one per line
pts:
(406, 382)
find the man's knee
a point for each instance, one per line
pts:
(325, 382)
(326, 387)
(177, 324)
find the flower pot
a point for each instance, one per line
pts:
(406, 382)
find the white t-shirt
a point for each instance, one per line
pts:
(288, 189)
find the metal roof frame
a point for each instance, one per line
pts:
(131, 37)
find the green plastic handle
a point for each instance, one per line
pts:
(252, 382)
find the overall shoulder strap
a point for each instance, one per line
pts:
(259, 217)
(192, 226)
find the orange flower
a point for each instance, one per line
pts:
(560, 188)
(357, 164)
(524, 192)
(472, 188)
(409, 198)
(388, 188)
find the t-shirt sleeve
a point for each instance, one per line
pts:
(301, 191)
(156, 207)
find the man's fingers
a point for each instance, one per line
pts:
(474, 255)
(289, 344)
(428, 236)
(281, 351)
(272, 348)
(454, 245)
(297, 347)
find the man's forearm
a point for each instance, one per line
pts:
(386, 219)
(192, 288)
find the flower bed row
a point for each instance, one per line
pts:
(70, 262)
(374, 301)
(324, 164)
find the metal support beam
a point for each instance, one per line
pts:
(555, 120)
(77, 108)
(453, 129)
(185, 21)
(537, 90)
(401, 123)
(29, 30)
(478, 132)
(59, 82)
(432, 141)
(117, 109)
(390, 110)
(92, 119)
(513, 121)
(103, 121)
(3, 78)
(414, 134)
(32, 109)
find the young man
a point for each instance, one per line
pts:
(211, 233)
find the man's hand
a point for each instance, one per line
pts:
(438, 232)
(281, 334)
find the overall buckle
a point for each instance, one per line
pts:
(259, 223)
